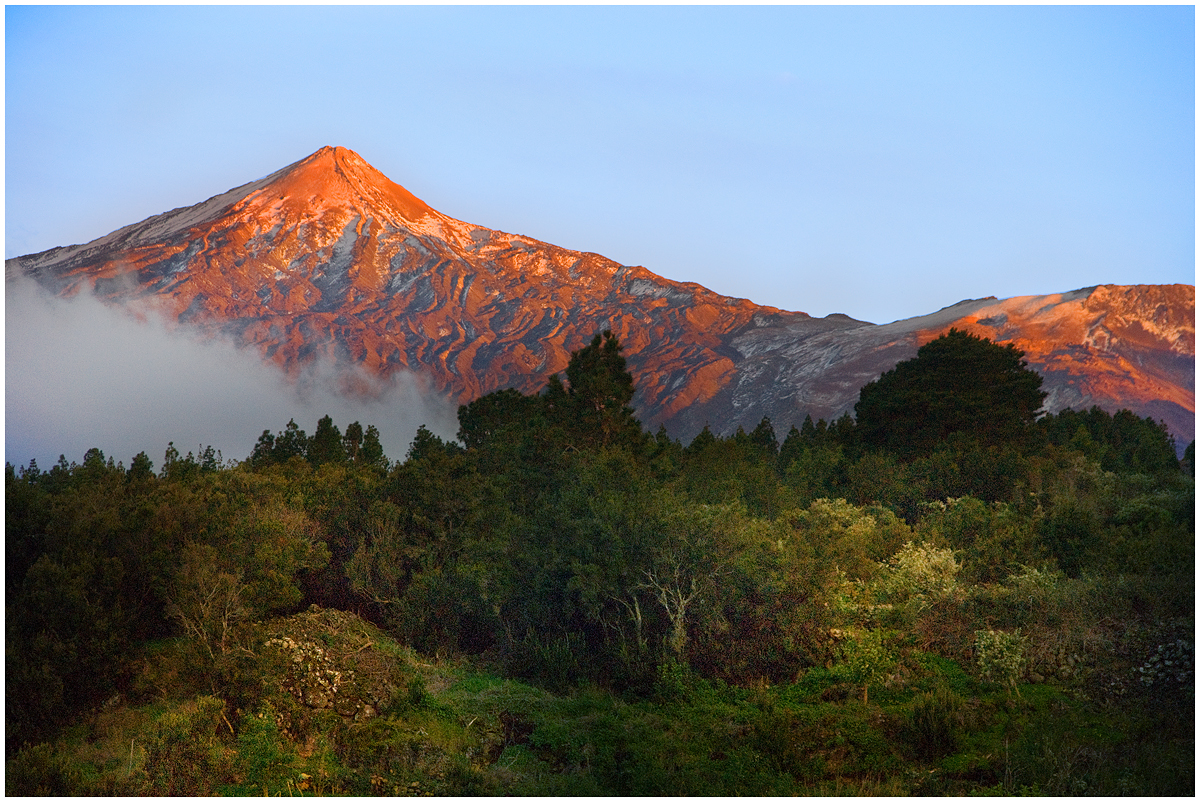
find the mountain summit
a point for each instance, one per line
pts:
(341, 176)
(329, 256)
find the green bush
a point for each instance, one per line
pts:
(676, 682)
(932, 722)
(1000, 656)
(415, 695)
(916, 578)
(867, 657)
(555, 663)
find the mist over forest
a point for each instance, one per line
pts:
(82, 374)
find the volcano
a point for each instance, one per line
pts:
(328, 257)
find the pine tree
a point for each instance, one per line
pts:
(763, 436)
(291, 442)
(352, 440)
(371, 454)
(326, 444)
(600, 389)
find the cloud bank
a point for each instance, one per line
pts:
(80, 374)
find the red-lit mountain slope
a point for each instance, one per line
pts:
(1110, 346)
(330, 256)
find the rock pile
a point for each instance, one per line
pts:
(333, 663)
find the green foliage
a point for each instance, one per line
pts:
(326, 444)
(1122, 442)
(990, 539)
(119, 559)
(266, 761)
(370, 454)
(848, 538)
(483, 420)
(1000, 656)
(277, 449)
(82, 594)
(812, 472)
(291, 442)
(555, 662)
(764, 437)
(958, 383)
(675, 681)
(866, 658)
(922, 572)
(1069, 748)
(42, 770)
(427, 445)
(1071, 533)
(599, 393)
(207, 602)
(916, 578)
(933, 722)
(445, 611)
(141, 469)
(773, 620)
(382, 563)
(415, 695)
(732, 470)
(185, 757)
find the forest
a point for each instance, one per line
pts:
(947, 593)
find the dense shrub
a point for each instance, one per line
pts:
(933, 722)
(1000, 656)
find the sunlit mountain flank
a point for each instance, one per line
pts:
(330, 258)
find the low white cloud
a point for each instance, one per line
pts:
(81, 374)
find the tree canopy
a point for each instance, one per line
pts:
(598, 395)
(591, 409)
(958, 383)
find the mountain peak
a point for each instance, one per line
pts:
(336, 175)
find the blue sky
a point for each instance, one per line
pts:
(882, 162)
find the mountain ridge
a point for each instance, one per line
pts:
(329, 256)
